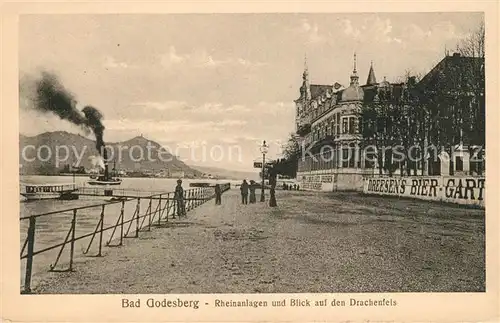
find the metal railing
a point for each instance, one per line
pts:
(117, 192)
(160, 207)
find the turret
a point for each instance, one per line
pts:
(354, 75)
(371, 80)
(305, 90)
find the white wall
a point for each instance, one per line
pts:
(454, 189)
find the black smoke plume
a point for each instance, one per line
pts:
(93, 121)
(52, 96)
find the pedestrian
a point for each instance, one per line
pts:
(244, 192)
(298, 187)
(179, 199)
(252, 187)
(294, 187)
(272, 193)
(218, 195)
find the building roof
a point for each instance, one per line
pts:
(353, 93)
(369, 93)
(318, 89)
(384, 83)
(371, 80)
(454, 72)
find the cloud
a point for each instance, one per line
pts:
(162, 106)
(215, 108)
(212, 120)
(311, 31)
(172, 58)
(212, 109)
(438, 33)
(202, 59)
(172, 126)
(349, 30)
(382, 29)
(111, 62)
(276, 108)
(372, 29)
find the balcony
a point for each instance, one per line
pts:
(303, 129)
(303, 125)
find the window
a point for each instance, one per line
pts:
(351, 125)
(358, 157)
(338, 124)
(345, 157)
(344, 124)
(370, 160)
(352, 156)
(459, 163)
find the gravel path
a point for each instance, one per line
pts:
(313, 242)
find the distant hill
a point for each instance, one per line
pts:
(227, 173)
(80, 146)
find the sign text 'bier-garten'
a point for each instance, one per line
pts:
(462, 190)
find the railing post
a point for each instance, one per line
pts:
(100, 235)
(29, 258)
(159, 211)
(72, 246)
(137, 217)
(174, 206)
(150, 211)
(122, 214)
(167, 206)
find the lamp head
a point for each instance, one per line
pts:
(264, 148)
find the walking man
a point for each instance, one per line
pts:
(179, 199)
(218, 195)
(252, 187)
(244, 192)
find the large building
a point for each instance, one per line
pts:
(330, 116)
(329, 122)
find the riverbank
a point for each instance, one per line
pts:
(313, 242)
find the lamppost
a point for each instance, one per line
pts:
(263, 149)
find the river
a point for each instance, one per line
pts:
(52, 229)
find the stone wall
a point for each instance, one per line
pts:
(454, 189)
(331, 180)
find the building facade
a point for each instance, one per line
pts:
(330, 121)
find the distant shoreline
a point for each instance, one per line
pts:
(128, 176)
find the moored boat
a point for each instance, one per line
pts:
(47, 191)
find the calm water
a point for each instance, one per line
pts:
(53, 229)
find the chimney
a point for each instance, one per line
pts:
(105, 157)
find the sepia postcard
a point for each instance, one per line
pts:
(225, 161)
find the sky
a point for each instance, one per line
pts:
(211, 87)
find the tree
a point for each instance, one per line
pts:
(473, 116)
(287, 166)
(453, 98)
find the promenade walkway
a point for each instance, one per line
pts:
(312, 242)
